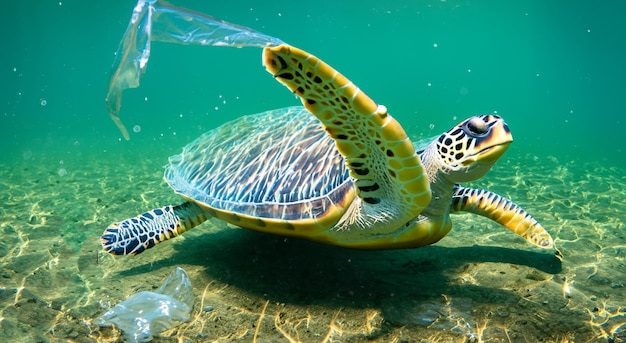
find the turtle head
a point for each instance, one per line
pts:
(468, 150)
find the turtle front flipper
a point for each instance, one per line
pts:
(388, 174)
(134, 235)
(502, 211)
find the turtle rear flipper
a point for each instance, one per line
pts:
(134, 235)
(389, 177)
(502, 211)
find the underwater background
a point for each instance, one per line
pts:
(554, 70)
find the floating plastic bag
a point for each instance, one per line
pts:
(153, 20)
(147, 314)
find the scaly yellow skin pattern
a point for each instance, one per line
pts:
(503, 211)
(388, 174)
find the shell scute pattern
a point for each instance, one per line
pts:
(258, 167)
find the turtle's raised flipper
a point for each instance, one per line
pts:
(134, 235)
(388, 174)
(503, 211)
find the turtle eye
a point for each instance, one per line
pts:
(476, 126)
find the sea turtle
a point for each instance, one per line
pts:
(350, 178)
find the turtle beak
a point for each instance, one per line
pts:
(490, 154)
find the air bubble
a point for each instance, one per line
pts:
(136, 129)
(62, 172)
(43, 102)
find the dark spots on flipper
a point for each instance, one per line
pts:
(278, 62)
(390, 153)
(158, 211)
(458, 156)
(261, 223)
(391, 172)
(372, 201)
(356, 164)
(362, 172)
(342, 137)
(286, 76)
(290, 227)
(137, 250)
(311, 101)
(235, 217)
(300, 90)
(448, 141)
(371, 188)
(317, 79)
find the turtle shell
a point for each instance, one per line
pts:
(272, 171)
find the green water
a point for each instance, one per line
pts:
(553, 69)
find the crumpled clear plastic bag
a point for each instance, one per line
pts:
(146, 314)
(154, 20)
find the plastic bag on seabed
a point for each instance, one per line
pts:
(146, 314)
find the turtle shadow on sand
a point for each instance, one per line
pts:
(295, 271)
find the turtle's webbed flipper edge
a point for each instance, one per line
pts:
(503, 211)
(134, 235)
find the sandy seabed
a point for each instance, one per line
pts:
(481, 283)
